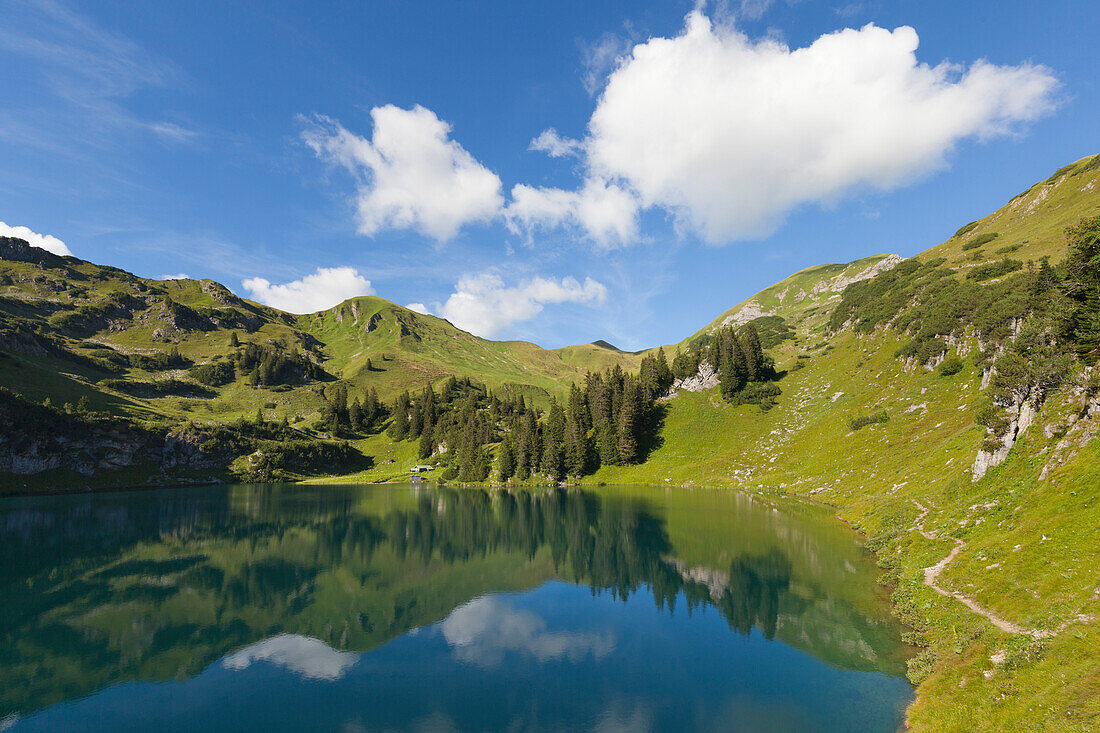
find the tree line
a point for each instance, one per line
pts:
(610, 419)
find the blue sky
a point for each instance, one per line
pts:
(301, 153)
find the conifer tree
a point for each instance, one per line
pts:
(607, 443)
(416, 421)
(507, 465)
(427, 443)
(754, 353)
(629, 422)
(355, 415)
(399, 429)
(576, 449)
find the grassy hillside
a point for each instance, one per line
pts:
(999, 576)
(887, 367)
(76, 333)
(407, 350)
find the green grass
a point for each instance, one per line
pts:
(1031, 543)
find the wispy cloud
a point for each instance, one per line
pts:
(82, 77)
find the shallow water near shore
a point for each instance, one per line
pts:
(397, 607)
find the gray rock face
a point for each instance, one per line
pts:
(705, 378)
(1022, 415)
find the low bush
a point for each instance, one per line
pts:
(950, 366)
(979, 240)
(993, 270)
(862, 421)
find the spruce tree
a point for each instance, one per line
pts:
(507, 462)
(629, 423)
(355, 415)
(754, 353)
(607, 443)
(576, 449)
(399, 428)
(427, 443)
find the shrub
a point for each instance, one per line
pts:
(215, 374)
(863, 421)
(994, 270)
(979, 240)
(967, 228)
(950, 366)
(758, 393)
(159, 388)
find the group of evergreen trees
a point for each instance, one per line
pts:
(607, 421)
(263, 365)
(342, 418)
(745, 373)
(269, 365)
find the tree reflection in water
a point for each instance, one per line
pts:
(107, 588)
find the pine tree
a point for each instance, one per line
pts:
(507, 463)
(83, 407)
(532, 439)
(607, 443)
(576, 449)
(370, 366)
(234, 342)
(754, 354)
(664, 373)
(259, 416)
(1082, 287)
(427, 443)
(399, 428)
(629, 423)
(355, 415)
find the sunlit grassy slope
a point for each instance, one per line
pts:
(120, 314)
(1031, 544)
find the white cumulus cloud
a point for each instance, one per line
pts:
(177, 276)
(484, 629)
(34, 239)
(326, 287)
(305, 656)
(730, 134)
(606, 213)
(482, 304)
(412, 174)
(418, 308)
(554, 145)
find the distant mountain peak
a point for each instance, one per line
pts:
(605, 345)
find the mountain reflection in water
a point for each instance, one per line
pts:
(160, 586)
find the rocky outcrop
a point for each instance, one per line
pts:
(1079, 430)
(704, 378)
(1021, 415)
(841, 281)
(748, 312)
(35, 438)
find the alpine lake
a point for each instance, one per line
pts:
(418, 607)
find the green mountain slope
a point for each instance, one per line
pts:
(997, 573)
(932, 400)
(70, 329)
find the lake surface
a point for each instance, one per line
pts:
(365, 608)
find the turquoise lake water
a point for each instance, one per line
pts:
(379, 608)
